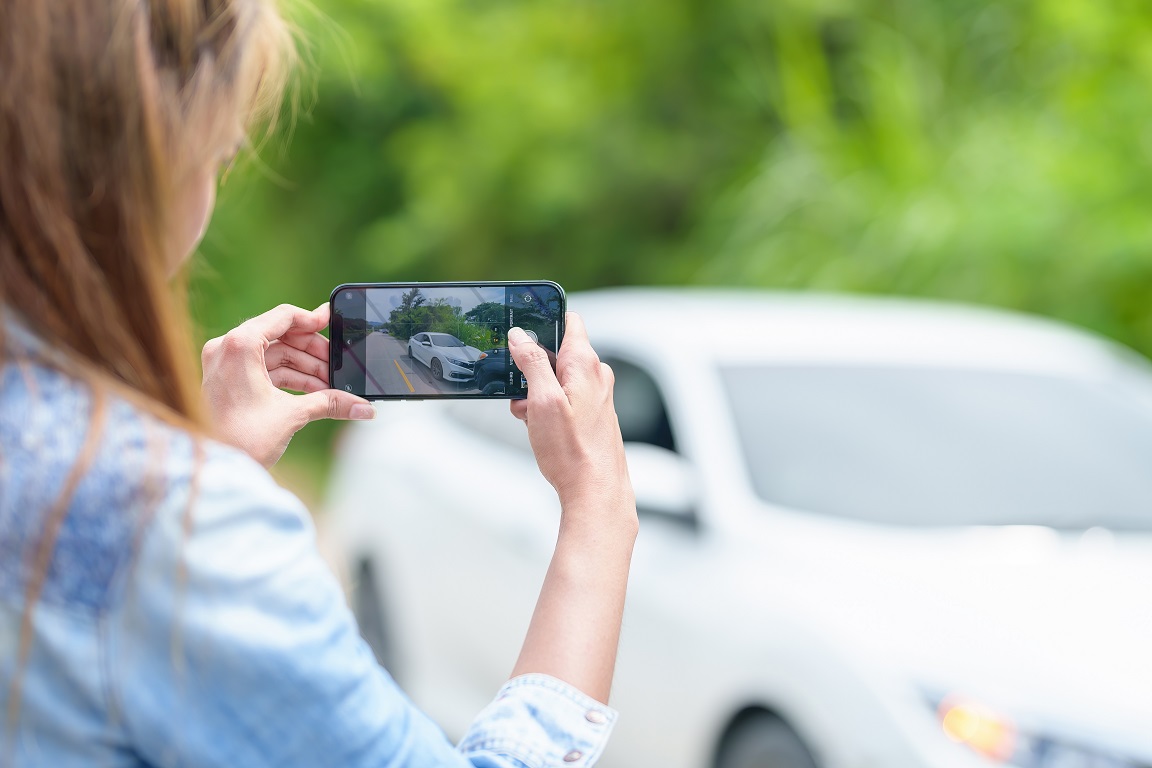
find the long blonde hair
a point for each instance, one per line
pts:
(107, 108)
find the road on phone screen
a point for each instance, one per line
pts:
(392, 372)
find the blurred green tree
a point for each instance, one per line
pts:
(987, 151)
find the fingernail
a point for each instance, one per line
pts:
(517, 335)
(362, 412)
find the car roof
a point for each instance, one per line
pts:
(739, 326)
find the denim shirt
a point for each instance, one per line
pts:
(187, 619)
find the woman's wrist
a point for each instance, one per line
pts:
(607, 518)
(598, 491)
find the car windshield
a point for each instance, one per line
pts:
(947, 447)
(444, 340)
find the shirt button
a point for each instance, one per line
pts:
(596, 717)
(573, 756)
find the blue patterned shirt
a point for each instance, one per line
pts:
(187, 619)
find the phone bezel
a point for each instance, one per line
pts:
(333, 339)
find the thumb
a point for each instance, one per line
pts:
(334, 404)
(532, 360)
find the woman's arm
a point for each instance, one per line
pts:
(231, 645)
(575, 435)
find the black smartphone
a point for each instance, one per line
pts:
(416, 341)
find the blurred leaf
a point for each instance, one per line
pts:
(965, 149)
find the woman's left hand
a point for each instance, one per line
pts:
(247, 369)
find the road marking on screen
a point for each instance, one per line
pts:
(410, 387)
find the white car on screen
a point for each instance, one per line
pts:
(874, 534)
(448, 358)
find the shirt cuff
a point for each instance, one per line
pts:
(541, 721)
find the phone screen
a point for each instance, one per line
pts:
(413, 341)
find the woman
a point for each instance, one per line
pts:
(161, 599)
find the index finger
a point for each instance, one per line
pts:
(280, 320)
(312, 342)
(323, 314)
(574, 329)
(576, 353)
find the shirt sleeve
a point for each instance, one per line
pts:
(232, 645)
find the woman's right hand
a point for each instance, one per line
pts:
(575, 435)
(571, 420)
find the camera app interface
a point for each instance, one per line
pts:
(422, 341)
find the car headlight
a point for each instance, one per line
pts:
(997, 737)
(978, 727)
(459, 363)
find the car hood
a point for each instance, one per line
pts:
(470, 354)
(1052, 629)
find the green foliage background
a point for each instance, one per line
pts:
(416, 315)
(992, 152)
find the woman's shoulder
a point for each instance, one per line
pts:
(99, 473)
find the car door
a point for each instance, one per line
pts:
(420, 350)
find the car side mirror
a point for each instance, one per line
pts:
(426, 343)
(664, 483)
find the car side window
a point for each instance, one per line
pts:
(640, 406)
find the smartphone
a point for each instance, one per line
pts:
(419, 341)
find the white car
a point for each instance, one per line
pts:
(449, 358)
(874, 534)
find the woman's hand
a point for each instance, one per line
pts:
(246, 369)
(575, 435)
(572, 423)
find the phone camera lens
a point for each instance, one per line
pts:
(348, 296)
